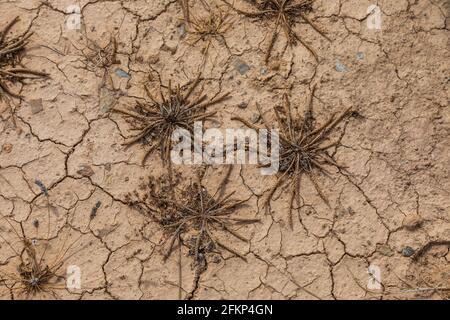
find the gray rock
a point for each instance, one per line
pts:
(408, 251)
(107, 100)
(243, 105)
(171, 50)
(255, 118)
(385, 250)
(241, 66)
(85, 170)
(36, 106)
(121, 73)
(263, 71)
(182, 30)
(340, 67)
(412, 222)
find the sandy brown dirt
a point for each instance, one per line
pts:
(393, 199)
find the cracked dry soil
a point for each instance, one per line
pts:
(65, 174)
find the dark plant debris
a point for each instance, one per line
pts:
(193, 216)
(303, 150)
(35, 275)
(285, 14)
(97, 57)
(208, 29)
(155, 119)
(12, 51)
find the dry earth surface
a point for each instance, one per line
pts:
(389, 208)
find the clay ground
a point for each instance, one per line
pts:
(392, 200)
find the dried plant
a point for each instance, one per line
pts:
(185, 8)
(11, 53)
(195, 212)
(193, 215)
(209, 29)
(157, 119)
(303, 150)
(34, 275)
(97, 57)
(286, 14)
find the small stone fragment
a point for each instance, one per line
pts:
(275, 65)
(85, 170)
(167, 48)
(241, 66)
(385, 250)
(407, 251)
(340, 67)
(36, 106)
(94, 210)
(121, 73)
(7, 147)
(263, 71)
(153, 59)
(182, 30)
(242, 105)
(107, 100)
(255, 118)
(412, 222)
(215, 124)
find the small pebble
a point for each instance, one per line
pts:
(36, 106)
(275, 65)
(360, 56)
(153, 59)
(7, 147)
(255, 118)
(340, 67)
(121, 73)
(385, 251)
(407, 251)
(241, 66)
(412, 222)
(85, 170)
(167, 48)
(242, 105)
(182, 30)
(107, 100)
(263, 71)
(215, 124)
(94, 210)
